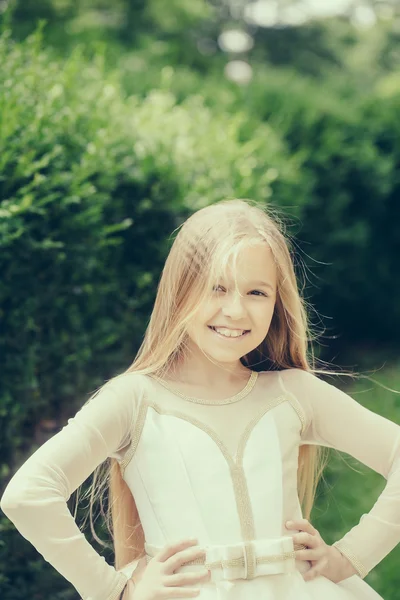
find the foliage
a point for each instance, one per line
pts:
(185, 32)
(92, 183)
(99, 165)
(344, 212)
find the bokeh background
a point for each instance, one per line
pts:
(117, 121)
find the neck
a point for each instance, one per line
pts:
(198, 370)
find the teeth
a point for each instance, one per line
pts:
(229, 333)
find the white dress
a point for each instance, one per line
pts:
(224, 472)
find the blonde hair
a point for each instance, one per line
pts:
(207, 243)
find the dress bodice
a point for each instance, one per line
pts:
(219, 472)
(224, 472)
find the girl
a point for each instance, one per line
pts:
(214, 434)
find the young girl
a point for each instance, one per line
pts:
(214, 434)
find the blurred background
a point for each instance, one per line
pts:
(117, 121)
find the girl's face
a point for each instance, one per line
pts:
(245, 312)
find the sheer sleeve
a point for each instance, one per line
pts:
(35, 499)
(332, 418)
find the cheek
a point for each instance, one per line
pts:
(262, 318)
(197, 325)
(263, 314)
(206, 313)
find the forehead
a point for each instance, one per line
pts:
(255, 263)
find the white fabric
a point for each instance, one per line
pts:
(224, 473)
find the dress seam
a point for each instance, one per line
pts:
(232, 399)
(295, 403)
(136, 434)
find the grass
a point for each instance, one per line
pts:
(349, 489)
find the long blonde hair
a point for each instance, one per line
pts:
(207, 243)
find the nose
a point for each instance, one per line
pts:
(232, 306)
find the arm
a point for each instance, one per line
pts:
(35, 499)
(334, 419)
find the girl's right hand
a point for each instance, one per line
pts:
(159, 579)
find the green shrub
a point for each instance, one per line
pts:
(345, 207)
(92, 183)
(93, 180)
(349, 149)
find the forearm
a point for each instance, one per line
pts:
(377, 532)
(333, 419)
(64, 546)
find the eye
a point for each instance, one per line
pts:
(217, 288)
(259, 292)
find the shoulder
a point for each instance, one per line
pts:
(305, 391)
(124, 392)
(307, 386)
(295, 384)
(297, 378)
(312, 390)
(128, 383)
(292, 380)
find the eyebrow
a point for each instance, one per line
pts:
(262, 283)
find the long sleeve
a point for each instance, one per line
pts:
(333, 419)
(35, 499)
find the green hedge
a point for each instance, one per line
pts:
(349, 144)
(345, 209)
(92, 182)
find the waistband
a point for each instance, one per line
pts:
(244, 560)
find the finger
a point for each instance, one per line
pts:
(305, 525)
(184, 556)
(307, 539)
(189, 578)
(315, 570)
(173, 548)
(302, 525)
(178, 592)
(312, 554)
(140, 569)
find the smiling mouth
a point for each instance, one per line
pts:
(244, 332)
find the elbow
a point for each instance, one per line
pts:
(12, 499)
(9, 502)
(28, 496)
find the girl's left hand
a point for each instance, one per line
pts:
(325, 560)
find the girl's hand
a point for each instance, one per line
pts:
(139, 571)
(325, 560)
(157, 580)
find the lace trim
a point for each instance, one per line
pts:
(348, 553)
(241, 561)
(246, 390)
(115, 594)
(294, 403)
(137, 432)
